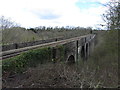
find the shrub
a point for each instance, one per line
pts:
(27, 59)
(105, 59)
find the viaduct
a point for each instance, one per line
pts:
(75, 49)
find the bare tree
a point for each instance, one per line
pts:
(112, 15)
(7, 23)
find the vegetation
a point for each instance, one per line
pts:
(7, 23)
(31, 58)
(104, 60)
(18, 34)
(28, 59)
(112, 15)
(99, 71)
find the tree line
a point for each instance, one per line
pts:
(7, 23)
(58, 28)
(112, 15)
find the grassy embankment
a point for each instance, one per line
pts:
(104, 60)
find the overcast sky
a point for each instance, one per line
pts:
(33, 13)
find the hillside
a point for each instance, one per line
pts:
(17, 35)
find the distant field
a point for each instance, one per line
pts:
(16, 35)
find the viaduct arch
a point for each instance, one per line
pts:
(71, 59)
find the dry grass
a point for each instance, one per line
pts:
(54, 75)
(18, 34)
(105, 59)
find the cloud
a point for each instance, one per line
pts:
(32, 13)
(97, 1)
(101, 1)
(46, 14)
(49, 16)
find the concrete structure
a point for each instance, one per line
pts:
(78, 49)
(27, 44)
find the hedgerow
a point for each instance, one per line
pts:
(26, 59)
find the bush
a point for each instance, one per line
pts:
(27, 59)
(105, 59)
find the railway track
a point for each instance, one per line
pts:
(15, 52)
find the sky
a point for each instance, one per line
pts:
(34, 13)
